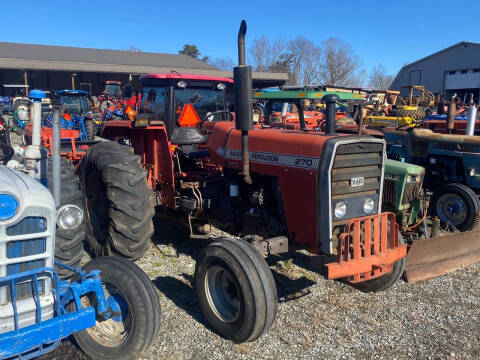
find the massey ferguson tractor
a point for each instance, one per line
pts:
(269, 186)
(109, 305)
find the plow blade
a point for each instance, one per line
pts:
(428, 258)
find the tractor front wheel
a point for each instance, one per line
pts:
(130, 333)
(236, 290)
(118, 201)
(455, 204)
(385, 281)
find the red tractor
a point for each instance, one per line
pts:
(112, 96)
(320, 190)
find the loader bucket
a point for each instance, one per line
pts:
(428, 258)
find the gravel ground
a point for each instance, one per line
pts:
(435, 319)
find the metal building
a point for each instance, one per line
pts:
(60, 67)
(455, 69)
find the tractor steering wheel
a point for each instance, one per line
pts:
(211, 114)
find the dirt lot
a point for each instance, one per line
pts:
(436, 319)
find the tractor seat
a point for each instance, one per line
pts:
(187, 136)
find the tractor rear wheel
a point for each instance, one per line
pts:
(385, 281)
(91, 129)
(118, 201)
(235, 289)
(416, 115)
(455, 204)
(68, 243)
(105, 104)
(129, 334)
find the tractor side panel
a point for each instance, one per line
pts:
(292, 157)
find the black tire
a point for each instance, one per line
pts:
(68, 243)
(461, 196)
(142, 308)
(104, 105)
(234, 265)
(119, 204)
(385, 281)
(416, 115)
(91, 129)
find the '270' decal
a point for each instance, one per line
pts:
(303, 162)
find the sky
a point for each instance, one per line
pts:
(392, 33)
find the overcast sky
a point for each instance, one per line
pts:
(389, 32)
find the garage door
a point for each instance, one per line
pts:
(462, 79)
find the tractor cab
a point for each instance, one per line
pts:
(183, 103)
(73, 102)
(113, 89)
(300, 109)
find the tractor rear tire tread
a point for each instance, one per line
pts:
(91, 129)
(131, 202)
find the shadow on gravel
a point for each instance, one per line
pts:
(170, 229)
(182, 295)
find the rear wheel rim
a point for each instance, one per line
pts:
(223, 293)
(452, 208)
(98, 209)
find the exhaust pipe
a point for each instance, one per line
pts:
(35, 158)
(242, 77)
(452, 109)
(330, 110)
(471, 117)
(56, 156)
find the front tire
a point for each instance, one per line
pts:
(132, 336)
(385, 281)
(456, 204)
(236, 290)
(118, 201)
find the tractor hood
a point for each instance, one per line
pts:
(24, 189)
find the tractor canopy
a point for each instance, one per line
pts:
(113, 88)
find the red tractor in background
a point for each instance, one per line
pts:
(321, 190)
(112, 97)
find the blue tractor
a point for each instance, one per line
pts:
(76, 114)
(109, 305)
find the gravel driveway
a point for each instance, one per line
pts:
(317, 318)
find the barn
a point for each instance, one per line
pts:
(61, 67)
(455, 69)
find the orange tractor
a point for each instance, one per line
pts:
(321, 190)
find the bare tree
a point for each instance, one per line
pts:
(302, 52)
(223, 63)
(266, 55)
(379, 79)
(339, 64)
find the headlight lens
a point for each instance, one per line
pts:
(340, 209)
(182, 84)
(368, 205)
(69, 217)
(471, 171)
(8, 206)
(221, 86)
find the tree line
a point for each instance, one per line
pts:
(332, 62)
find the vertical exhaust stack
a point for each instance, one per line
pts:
(242, 77)
(330, 110)
(471, 117)
(452, 109)
(56, 156)
(35, 158)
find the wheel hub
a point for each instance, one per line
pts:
(451, 208)
(223, 293)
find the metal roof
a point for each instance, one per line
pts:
(64, 58)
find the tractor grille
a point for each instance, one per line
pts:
(26, 248)
(362, 161)
(389, 192)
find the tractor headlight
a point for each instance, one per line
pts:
(412, 179)
(69, 217)
(471, 171)
(221, 86)
(8, 206)
(340, 209)
(368, 205)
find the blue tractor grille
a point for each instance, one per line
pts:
(24, 247)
